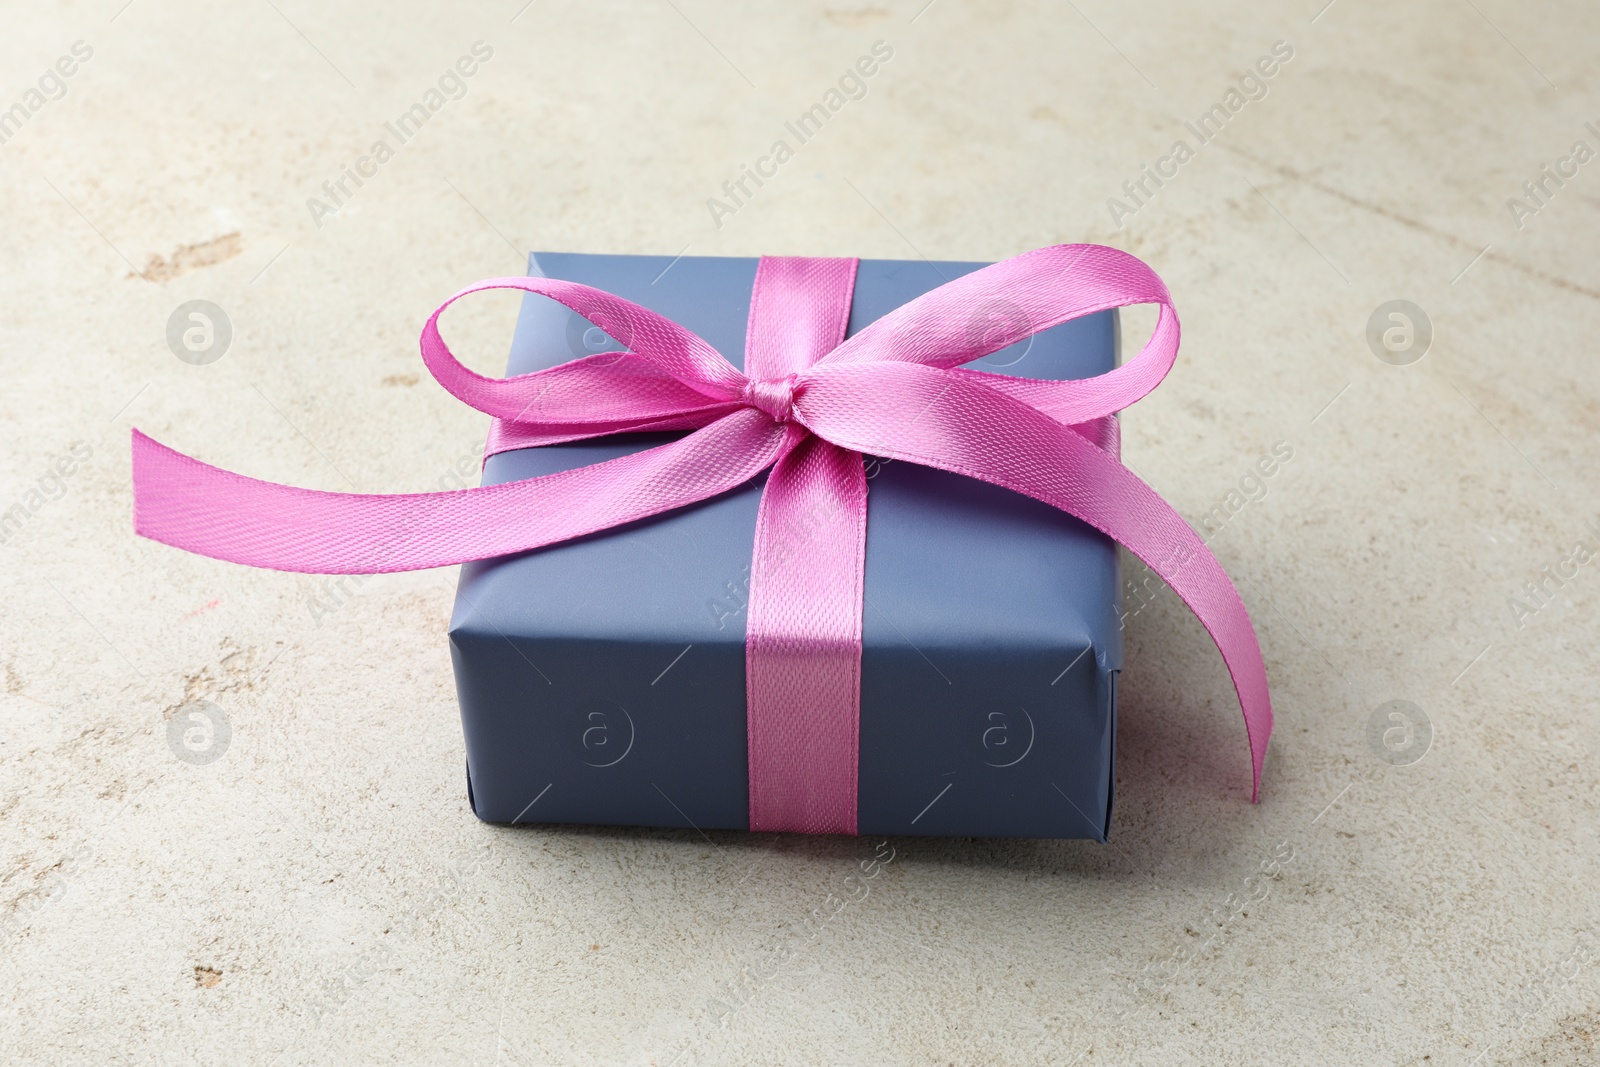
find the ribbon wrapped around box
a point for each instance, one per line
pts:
(816, 395)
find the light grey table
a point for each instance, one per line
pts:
(319, 891)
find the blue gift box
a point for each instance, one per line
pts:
(602, 680)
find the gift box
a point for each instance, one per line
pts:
(857, 598)
(602, 680)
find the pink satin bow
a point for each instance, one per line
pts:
(812, 404)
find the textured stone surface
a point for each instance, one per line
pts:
(321, 893)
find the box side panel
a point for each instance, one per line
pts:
(1110, 704)
(576, 732)
(981, 747)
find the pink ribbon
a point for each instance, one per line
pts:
(811, 405)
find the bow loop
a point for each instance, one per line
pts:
(1009, 301)
(670, 370)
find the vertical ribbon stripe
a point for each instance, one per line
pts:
(803, 637)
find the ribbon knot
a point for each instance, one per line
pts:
(775, 396)
(897, 388)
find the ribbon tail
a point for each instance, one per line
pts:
(1136, 517)
(191, 505)
(939, 419)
